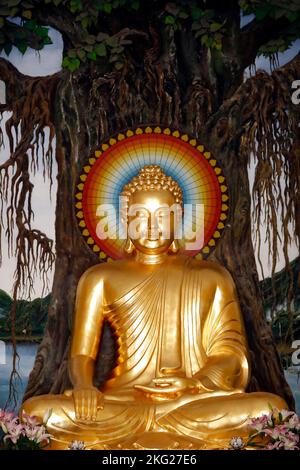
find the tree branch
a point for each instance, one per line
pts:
(257, 33)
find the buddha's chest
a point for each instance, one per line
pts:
(148, 321)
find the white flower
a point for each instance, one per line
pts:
(77, 445)
(237, 443)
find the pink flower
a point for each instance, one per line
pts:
(290, 444)
(277, 432)
(281, 427)
(30, 428)
(286, 414)
(258, 424)
(30, 420)
(291, 436)
(7, 419)
(6, 416)
(37, 434)
(275, 445)
(14, 431)
(294, 422)
(42, 435)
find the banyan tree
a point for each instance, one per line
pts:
(178, 64)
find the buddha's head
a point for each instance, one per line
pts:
(151, 201)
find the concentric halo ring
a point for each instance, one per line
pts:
(119, 159)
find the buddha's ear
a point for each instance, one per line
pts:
(129, 247)
(174, 247)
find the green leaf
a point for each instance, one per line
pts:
(119, 65)
(27, 5)
(7, 48)
(76, 5)
(72, 53)
(92, 55)
(282, 48)
(118, 50)
(215, 27)
(218, 46)
(90, 39)
(262, 12)
(204, 39)
(196, 25)
(169, 20)
(292, 16)
(22, 46)
(81, 54)
(107, 8)
(276, 13)
(47, 41)
(114, 58)
(270, 407)
(85, 22)
(42, 32)
(27, 14)
(102, 36)
(135, 5)
(31, 25)
(197, 13)
(71, 64)
(100, 50)
(183, 15)
(13, 3)
(65, 61)
(112, 41)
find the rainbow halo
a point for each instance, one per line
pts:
(120, 159)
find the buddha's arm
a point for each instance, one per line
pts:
(85, 342)
(224, 341)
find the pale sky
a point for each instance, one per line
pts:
(46, 62)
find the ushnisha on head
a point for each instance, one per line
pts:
(150, 202)
(152, 177)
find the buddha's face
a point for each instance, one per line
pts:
(150, 220)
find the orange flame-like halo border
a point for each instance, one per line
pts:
(148, 129)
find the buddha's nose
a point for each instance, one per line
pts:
(153, 233)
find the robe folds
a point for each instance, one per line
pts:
(183, 320)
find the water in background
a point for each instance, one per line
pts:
(27, 352)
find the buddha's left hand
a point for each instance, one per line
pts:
(169, 387)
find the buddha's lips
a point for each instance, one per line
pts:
(152, 243)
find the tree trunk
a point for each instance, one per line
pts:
(90, 106)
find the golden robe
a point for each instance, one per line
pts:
(182, 320)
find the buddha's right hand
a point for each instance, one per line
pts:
(87, 400)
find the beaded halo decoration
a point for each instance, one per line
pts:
(120, 159)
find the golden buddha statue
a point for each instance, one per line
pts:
(183, 361)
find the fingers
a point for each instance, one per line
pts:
(76, 403)
(86, 403)
(82, 408)
(94, 406)
(146, 389)
(164, 381)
